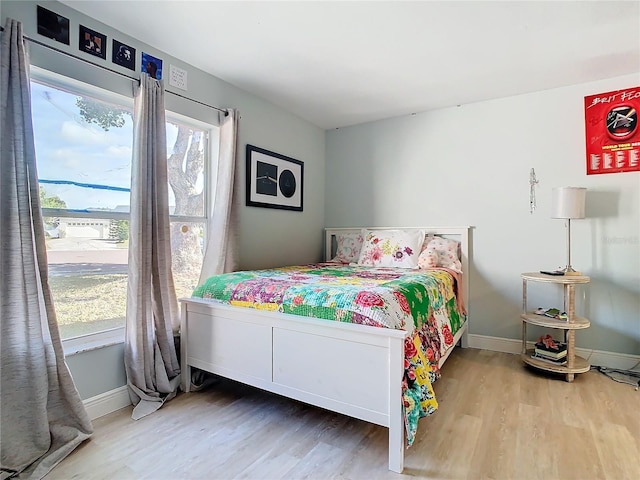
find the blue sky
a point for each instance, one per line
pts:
(68, 148)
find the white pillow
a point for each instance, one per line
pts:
(391, 248)
(348, 247)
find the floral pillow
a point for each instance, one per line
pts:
(440, 252)
(348, 247)
(427, 260)
(391, 248)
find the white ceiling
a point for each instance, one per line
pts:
(338, 63)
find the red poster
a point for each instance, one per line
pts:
(612, 133)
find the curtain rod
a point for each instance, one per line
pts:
(51, 47)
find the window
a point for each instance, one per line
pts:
(83, 140)
(187, 147)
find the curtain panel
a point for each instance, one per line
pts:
(220, 252)
(152, 318)
(43, 418)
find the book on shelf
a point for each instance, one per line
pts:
(551, 355)
(561, 361)
(552, 347)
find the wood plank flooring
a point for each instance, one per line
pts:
(497, 420)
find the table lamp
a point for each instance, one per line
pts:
(568, 203)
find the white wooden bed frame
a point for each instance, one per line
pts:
(307, 359)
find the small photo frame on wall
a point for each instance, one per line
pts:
(123, 55)
(92, 42)
(52, 25)
(274, 180)
(151, 65)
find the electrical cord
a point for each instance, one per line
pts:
(7, 473)
(610, 372)
(633, 369)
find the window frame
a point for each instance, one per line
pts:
(208, 166)
(105, 338)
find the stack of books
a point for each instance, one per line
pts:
(546, 353)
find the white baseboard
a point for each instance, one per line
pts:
(118, 398)
(620, 361)
(107, 402)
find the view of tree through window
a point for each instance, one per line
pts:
(83, 150)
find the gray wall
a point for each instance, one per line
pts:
(106, 362)
(469, 165)
(267, 237)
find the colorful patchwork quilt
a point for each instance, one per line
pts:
(421, 302)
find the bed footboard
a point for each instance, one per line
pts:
(306, 359)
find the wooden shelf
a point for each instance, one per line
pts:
(580, 365)
(577, 324)
(562, 279)
(569, 326)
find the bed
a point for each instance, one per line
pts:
(311, 359)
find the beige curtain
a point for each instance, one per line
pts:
(151, 363)
(43, 418)
(220, 252)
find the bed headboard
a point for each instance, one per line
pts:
(461, 234)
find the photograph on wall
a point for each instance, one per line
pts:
(612, 133)
(93, 42)
(273, 180)
(123, 55)
(52, 25)
(152, 66)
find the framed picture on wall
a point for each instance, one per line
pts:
(92, 42)
(123, 55)
(152, 66)
(273, 180)
(52, 25)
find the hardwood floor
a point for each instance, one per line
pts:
(497, 419)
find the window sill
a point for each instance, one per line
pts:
(93, 341)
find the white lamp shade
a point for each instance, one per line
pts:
(568, 202)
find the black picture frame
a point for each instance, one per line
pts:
(92, 42)
(52, 25)
(274, 180)
(123, 55)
